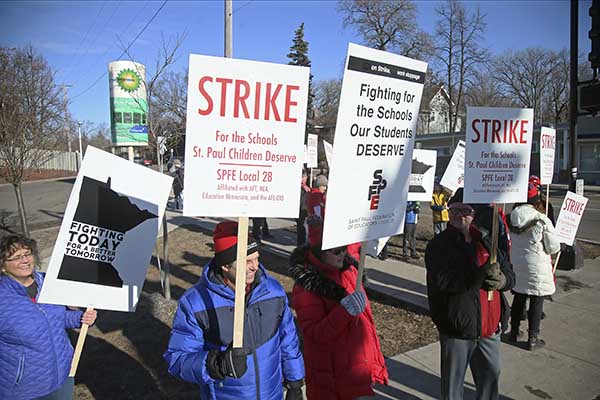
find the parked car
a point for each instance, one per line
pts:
(138, 160)
(148, 162)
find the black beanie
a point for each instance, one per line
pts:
(457, 197)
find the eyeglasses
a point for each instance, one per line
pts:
(22, 256)
(463, 212)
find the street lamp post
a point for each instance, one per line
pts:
(80, 147)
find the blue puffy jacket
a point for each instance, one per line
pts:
(204, 322)
(35, 351)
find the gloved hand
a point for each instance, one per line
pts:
(231, 363)
(494, 278)
(355, 303)
(294, 390)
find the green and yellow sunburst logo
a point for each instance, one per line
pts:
(128, 80)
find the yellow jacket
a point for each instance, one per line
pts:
(439, 206)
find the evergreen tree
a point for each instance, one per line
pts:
(298, 55)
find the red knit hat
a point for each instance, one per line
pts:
(535, 180)
(225, 239)
(533, 193)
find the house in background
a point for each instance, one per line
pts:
(434, 114)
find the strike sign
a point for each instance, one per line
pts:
(547, 149)
(244, 137)
(569, 218)
(497, 154)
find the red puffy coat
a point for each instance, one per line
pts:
(342, 354)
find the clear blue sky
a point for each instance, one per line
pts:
(79, 39)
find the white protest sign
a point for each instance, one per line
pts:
(244, 137)
(497, 155)
(374, 139)
(422, 175)
(454, 176)
(569, 218)
(107, 234)
(312, 154)
(328, 152)
(547, 150)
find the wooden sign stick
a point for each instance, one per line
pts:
(79, 347)
(240, 283)
(361, 264)
(555, 263)
(494, 243)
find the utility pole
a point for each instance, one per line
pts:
(228, 28)
(573, 94)
(80, 146)
(64, 87)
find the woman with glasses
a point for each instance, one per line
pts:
(35, 351)
(342, 354)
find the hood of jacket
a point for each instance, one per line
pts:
(308, 273)
(523, 218)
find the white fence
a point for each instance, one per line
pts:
(62, 160)
(59, 160)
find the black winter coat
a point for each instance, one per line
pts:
(453, 283)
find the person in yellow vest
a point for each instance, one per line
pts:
(439, 207)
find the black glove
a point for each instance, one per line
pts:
(494, 278)
(294, 390)
(231, 363)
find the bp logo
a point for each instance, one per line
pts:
(128, 80)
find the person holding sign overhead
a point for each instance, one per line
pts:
(200, 348)
(35, 351)
(459, 277)
(341, 349)
(533, 242)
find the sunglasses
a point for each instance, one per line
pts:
(338, 250)
(464, 212)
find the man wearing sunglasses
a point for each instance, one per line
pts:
(459, 277)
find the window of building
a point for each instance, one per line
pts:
(444, 151)
(137, 118)
(143, 119)
(589, 157)
(535, 147)
(127, 118)
(118, 118)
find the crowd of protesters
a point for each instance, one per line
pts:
(341, 358)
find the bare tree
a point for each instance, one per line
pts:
(458, 51)
(525, 75)
(31, 117)
(484, 91)
(168, 106)
(326, 102)
(387, 25)
(556, 96)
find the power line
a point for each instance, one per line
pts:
(242, 6)
(124, 51)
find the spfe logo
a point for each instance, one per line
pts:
(378, 185)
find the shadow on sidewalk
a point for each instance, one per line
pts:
(416, 384)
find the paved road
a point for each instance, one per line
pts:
(45, 203)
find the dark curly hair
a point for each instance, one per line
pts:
(11, 243)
